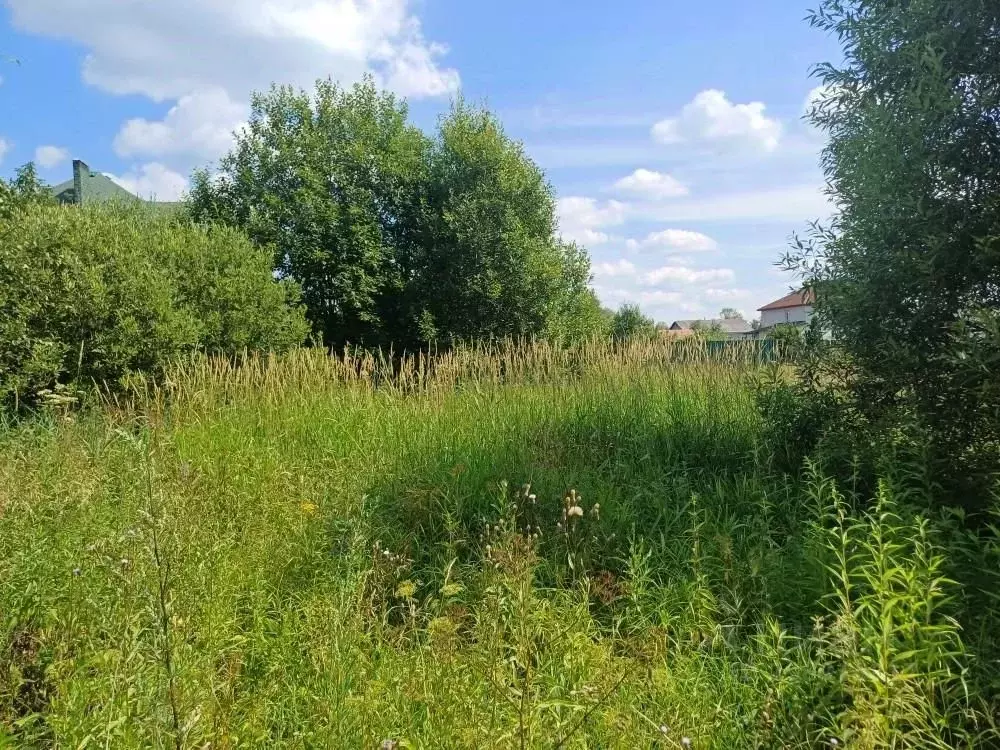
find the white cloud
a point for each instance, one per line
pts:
(625, 270)
(200, 124)
(153, 181)
(711, 117)
(202, 54)
(659, 297)
(794, 204)
(675, 239)
(620, 267)
(169, 50)
(682, 275)
(5, 146)
(652, 184)
(414, 72)
(51, 156)
(814, 97)
(580, 219)
(725, 294)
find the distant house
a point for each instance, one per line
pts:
(733, 328)
(792, 309)
(88, 187)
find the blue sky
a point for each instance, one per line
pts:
(671, 131)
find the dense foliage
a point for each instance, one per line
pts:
(908, 275)
(630, 323)
(91, 294)
(395, 237)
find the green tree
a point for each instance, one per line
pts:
(730, 313)
(488, 263)
(328, 180)
(709, 330)
(629, 323)
(908, 274)
(95, 293)
(396, 237)
(25, 189)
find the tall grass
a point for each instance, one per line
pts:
(509, 546)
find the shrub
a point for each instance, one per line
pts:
(95, 293)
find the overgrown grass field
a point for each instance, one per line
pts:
(521, 546)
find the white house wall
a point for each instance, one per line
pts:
(793, 315)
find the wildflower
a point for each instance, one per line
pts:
(389, 745)
(664, 729)
(406, 589)
(308, 508)
(452, 589)
(532, 498)
(834, 742)
(76, 572)
(686, 741)
(124, 562)
(575, 511)
(596, 510)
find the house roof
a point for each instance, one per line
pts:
(729, 325)
(795, 299)
(97, 188)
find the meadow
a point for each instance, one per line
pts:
(507, 546)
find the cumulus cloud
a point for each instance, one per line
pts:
(651, 184)
(620, 267)
(794, 203)
(202, 55)
(51, 156)
(711, 117)
(682, 275)
(169, 50)
(153, 181)
(723, 294)
(674, 239)
(581, 219)
(200, 124)
(672, 275)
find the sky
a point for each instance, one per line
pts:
(671, 131)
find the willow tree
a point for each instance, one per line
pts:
(908, 273)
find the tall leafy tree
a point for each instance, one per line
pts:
(489, 264)
(327, 180)
(394, 237)
(24, 190)
(908, 275)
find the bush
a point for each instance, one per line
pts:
(92, 294)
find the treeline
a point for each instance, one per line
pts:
(397, 237)
(333, 220)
